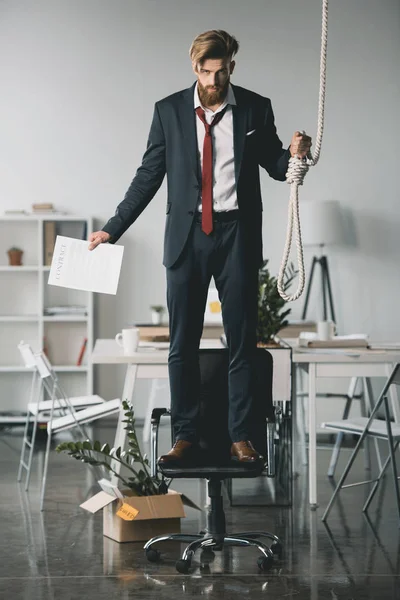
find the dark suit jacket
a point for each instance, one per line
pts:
(172, 149)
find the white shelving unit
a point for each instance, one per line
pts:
(24, 298)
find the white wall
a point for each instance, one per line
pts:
(79, 79)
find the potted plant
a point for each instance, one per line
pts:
(143, 506)
(96, 454)
(157, 312)
(15, 256)
(271, 306)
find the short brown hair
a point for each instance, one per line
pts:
(215, 43)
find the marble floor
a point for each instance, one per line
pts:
(61, 554)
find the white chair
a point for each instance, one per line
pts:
(39, 410)
(376, 429)
(61, 412)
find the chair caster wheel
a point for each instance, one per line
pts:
(207, 556)
(276, 548)
(153, 555)
(265, 563)
(183, 566)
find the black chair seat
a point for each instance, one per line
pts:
(226, 471)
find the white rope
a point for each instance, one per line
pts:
(296, 172)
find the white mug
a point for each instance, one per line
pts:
(128, 339)
(325, 330)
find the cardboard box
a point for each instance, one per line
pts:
(131, 518)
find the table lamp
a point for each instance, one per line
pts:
(321, 225)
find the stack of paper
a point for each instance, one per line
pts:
(355, 340)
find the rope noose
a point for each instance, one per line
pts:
(296, 172)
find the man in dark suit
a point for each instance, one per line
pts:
(210, 140)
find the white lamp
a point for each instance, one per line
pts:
(321, 225)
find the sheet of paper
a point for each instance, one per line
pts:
(75, 266)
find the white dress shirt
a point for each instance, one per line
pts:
(224, 184)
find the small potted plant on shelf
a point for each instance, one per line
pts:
(157, 312)
(271, 306)
(15, 256)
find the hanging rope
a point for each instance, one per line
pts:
(296, 172)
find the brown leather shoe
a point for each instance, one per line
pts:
(244, 452)
(181, 451)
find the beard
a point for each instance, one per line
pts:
(211, 98)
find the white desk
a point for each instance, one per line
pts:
(348, 363)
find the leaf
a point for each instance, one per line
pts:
(87, 445)
(105, 449)
(97, 446)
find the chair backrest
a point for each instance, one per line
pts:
(392, 380)
(43, 366)
(213, 426)
(27, 354)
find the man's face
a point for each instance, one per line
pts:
(213, 79)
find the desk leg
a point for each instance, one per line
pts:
(120, 434)
(394, 398)
(312, 436)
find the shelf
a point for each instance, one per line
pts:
(59, 368)
(65, 318)
(25, 299)
(47, 318)
(43, 217)
(19, 318)
(14, 369)
(70, 368)
(22, 268)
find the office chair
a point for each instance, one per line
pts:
(214, 462)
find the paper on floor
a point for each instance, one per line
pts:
(75, 266)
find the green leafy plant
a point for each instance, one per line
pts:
(14, 249)
(102, 455)
(158, 308)
(271, 307)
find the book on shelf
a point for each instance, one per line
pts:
(65, 310)
(81, 352)
(15, 211)
(46, 208)
(42, 206)
(160, 333)
(355, 340)
(49, 232)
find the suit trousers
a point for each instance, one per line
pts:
(226, 255)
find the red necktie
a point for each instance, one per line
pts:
(207, 172)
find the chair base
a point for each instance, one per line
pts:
(215, 537)
(209, 543)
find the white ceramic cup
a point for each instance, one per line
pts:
(128, 339)
(325, 330)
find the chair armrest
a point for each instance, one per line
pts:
(157, 413)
